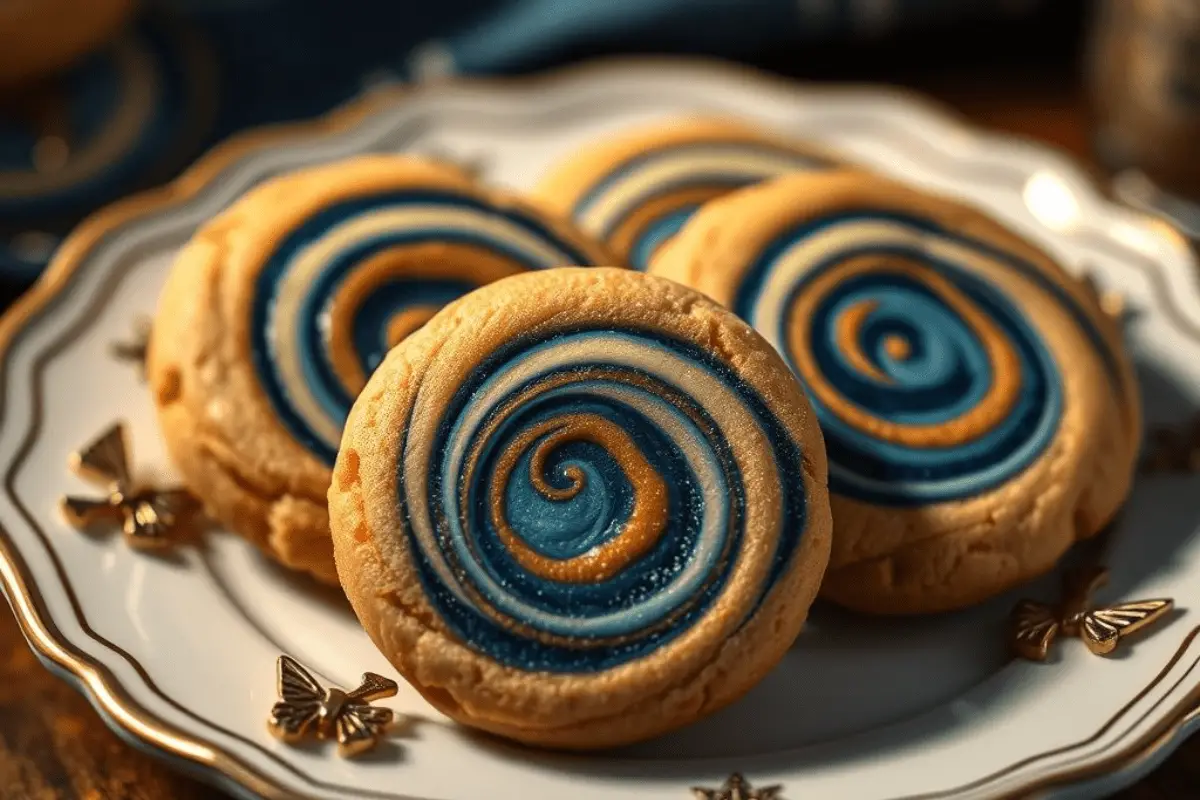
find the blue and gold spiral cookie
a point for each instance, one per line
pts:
(581, 507)
(278, 310)
(637, 190)
(979, 410)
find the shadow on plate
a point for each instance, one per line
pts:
(331, 597)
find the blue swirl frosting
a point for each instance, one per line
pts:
(646, 199)
(327, 302)
(931, 382)
(658, 233)
(578, 508)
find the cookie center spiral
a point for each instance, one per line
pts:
(581, 499)
(641, 530)
(929, 380)
(963, 351)
(897, 347)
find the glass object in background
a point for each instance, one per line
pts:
(1144, 82)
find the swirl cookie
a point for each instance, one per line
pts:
(278, 310)
(581, 507)
(979, 412)
(637, 190)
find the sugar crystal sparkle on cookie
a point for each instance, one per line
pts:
(952, 365)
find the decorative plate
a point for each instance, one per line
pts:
(178, 651)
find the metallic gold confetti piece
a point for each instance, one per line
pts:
(1036, 625)
(738, 788)
(149, 518)
(134, 351)
(305, 709)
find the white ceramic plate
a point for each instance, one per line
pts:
(178, 654)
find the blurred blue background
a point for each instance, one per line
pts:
(187, 73)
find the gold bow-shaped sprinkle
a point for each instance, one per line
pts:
(306, 709)
(147, 517)
(1036, 625)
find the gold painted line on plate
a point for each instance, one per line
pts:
(1093, 768)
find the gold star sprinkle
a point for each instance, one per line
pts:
(1036, 625)
(738, 788)
(149, 518)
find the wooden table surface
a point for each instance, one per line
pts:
(53, 745)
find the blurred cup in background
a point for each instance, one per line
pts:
(1143, 78)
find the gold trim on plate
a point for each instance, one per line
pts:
(130, 718)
